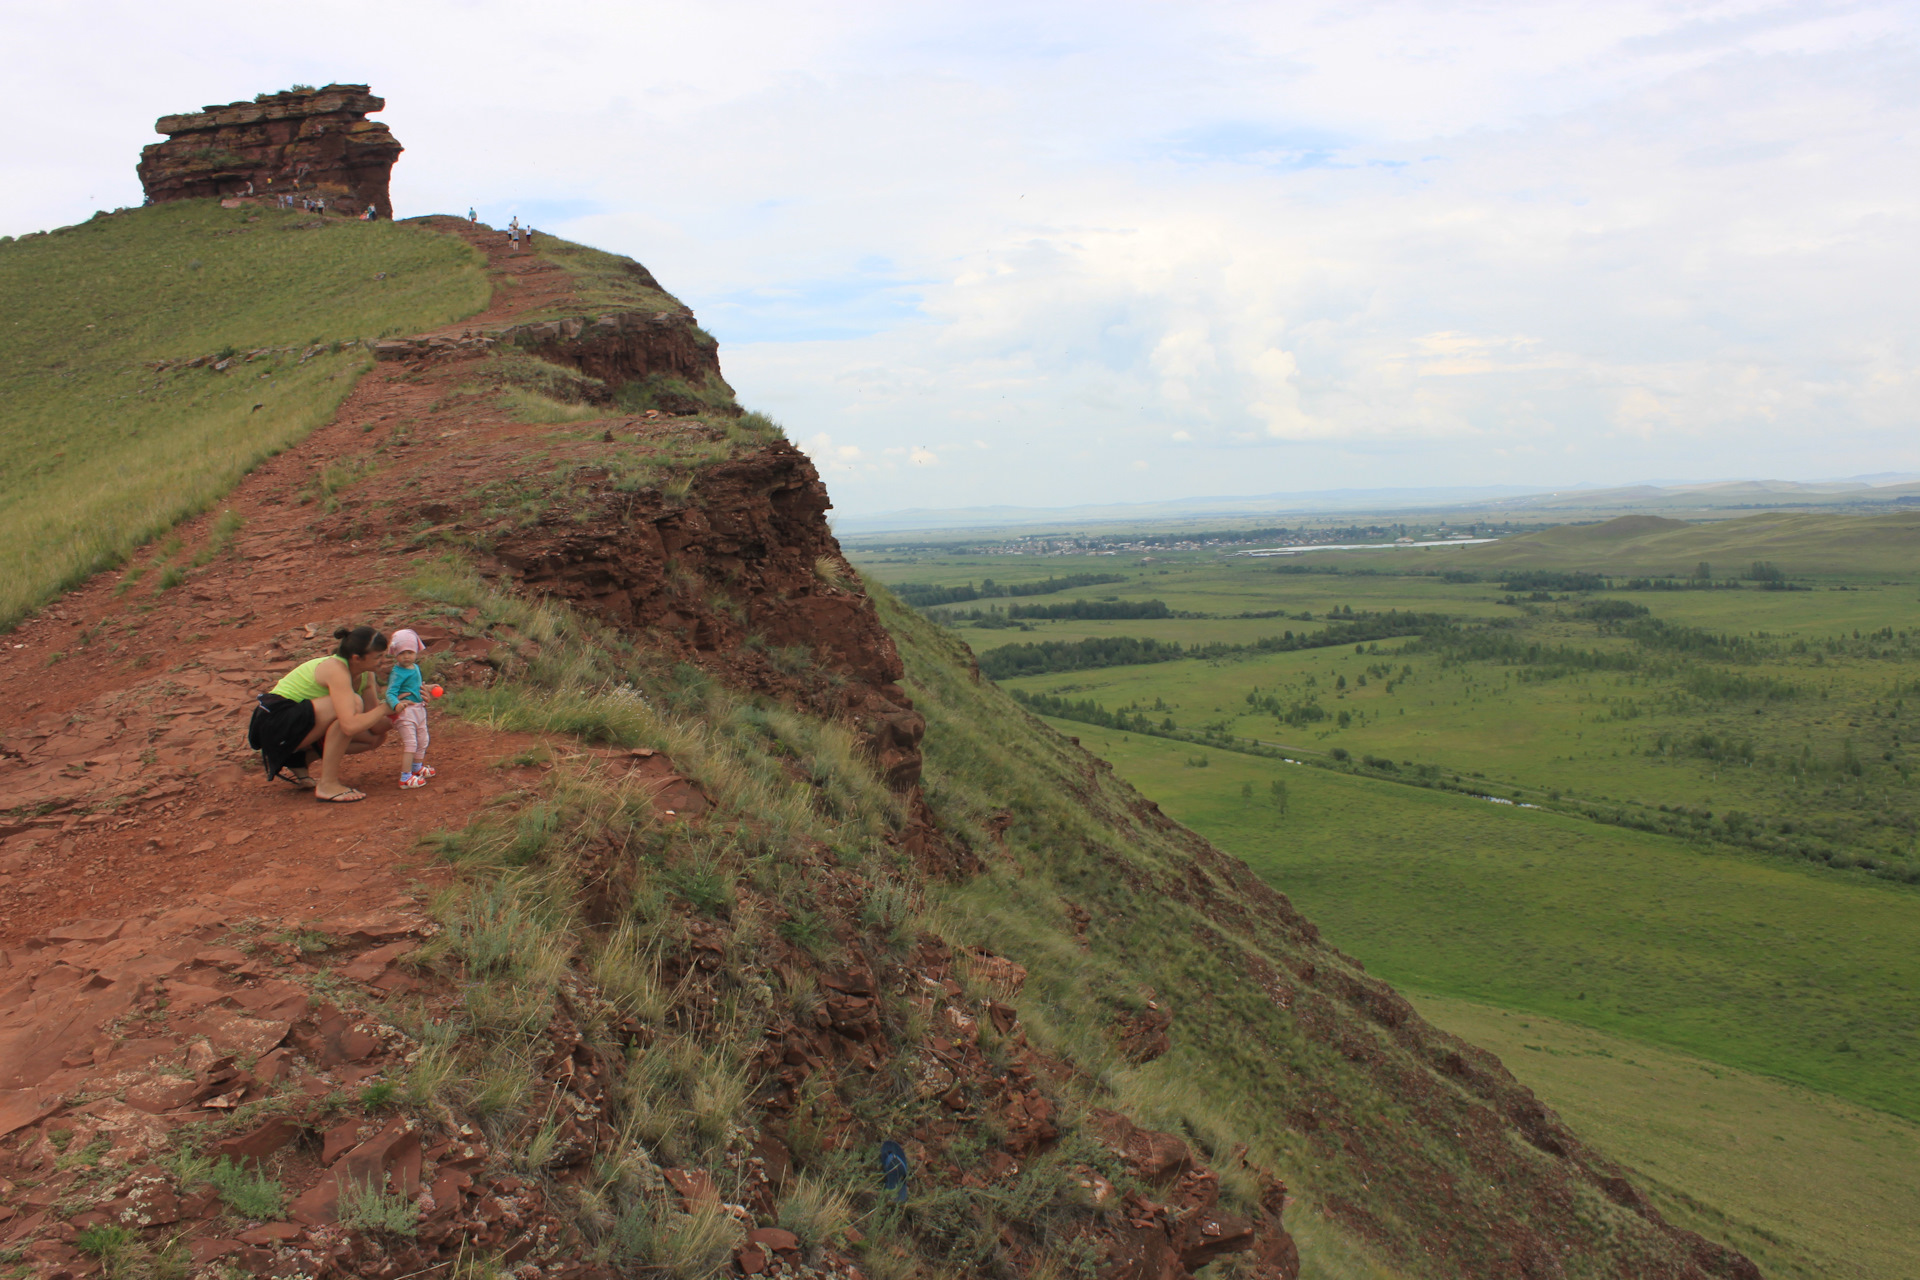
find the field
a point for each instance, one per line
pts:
(1849, 546)
(1780, 721)
(99, 450)
(1672, 829)
(1838, 1207)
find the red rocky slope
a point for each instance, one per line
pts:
(151, 855)
(186, 941)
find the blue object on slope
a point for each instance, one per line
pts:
(893, 1164)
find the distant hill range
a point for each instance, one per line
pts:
(1879, 491)
(1886, 488)
(1797, 542)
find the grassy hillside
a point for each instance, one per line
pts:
(1804, 1184)
(1776, 967)
(98, 450)
(1241, 1070)
(1396, 1148)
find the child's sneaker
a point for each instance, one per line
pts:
(412, 780)
(423, 771)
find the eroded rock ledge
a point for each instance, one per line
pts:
(314, 142)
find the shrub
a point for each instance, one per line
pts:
(703, 888)
(685, 1246)
(104, 1241)
(888, 910)
(1611, 610)
(819, 1215)
(250, 1193)
(366, 1207)
(805, 929)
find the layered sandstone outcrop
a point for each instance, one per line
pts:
(309, 142)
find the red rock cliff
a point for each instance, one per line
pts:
(311, 141)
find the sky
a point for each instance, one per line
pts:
(1047, 254)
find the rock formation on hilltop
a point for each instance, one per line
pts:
(311, 141)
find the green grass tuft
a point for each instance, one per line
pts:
(370, 1208)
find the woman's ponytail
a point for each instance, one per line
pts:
(359, 642)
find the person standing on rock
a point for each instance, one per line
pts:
(329, 701)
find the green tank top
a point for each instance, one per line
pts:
(302, 685)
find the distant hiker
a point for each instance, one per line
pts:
(513, 238)
(330, 701)
(473, 219)
(529, 239)
(405, 695)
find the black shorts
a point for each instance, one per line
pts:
(278, 727)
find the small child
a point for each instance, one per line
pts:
(405, 695)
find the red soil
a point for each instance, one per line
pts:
(145, 712)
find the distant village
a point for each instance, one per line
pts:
(1226, 541)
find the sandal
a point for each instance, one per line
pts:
(298, 777)
(349, 796)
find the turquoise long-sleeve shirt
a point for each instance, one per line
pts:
(404, 682)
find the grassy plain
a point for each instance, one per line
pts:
(98, 450)
(1625, 739)
(1189, 583)
(1804, 1184)
(1792, 728)
(1199, 582)
(1800, 542)
(1853, 546)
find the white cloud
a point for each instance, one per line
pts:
(1250, 247)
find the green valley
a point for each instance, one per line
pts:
(1644, 826)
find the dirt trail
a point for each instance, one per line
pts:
(123, 708)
